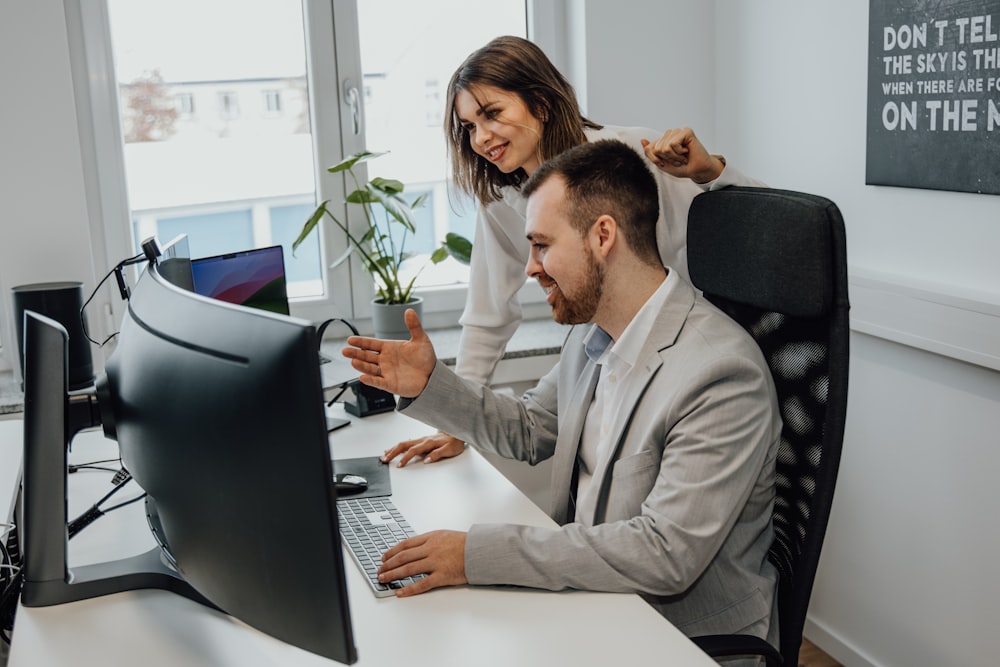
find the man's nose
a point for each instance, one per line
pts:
(533, 268)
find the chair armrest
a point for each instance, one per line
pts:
(722, 646)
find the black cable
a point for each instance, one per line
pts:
(124, 503)
(95, 512)
(322, 327)
(122, 288)
(12, 576)
(95, 465)
(8, 605)
(343, 388)
(88, 466)
(319, 335)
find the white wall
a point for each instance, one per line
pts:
(908, 574)
(44, 226)
(652, 65)
(792, 101)
(45, 232)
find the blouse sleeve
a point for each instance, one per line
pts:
(492, 312)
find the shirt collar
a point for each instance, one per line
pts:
(598, 345)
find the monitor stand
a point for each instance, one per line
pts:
(52, 416)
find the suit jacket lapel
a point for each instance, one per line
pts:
(669, 322)
(667, 327)
(619, 428)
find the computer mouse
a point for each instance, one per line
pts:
(348, 483)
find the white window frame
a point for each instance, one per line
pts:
(334, 62)
(8, 335)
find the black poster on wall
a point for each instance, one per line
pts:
(934, 94)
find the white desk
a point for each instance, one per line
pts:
(452, 626)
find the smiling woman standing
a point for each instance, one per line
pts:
(508, 110)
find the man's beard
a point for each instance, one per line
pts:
(580, 308)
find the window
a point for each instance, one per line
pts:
(7, 336)
(198, 157)
(185, 104)
(434, 103)
(229, 105)
(272, 102)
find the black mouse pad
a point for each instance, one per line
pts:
(372, 469)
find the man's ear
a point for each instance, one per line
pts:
(604, 234)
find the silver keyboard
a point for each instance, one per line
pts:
(369, 526)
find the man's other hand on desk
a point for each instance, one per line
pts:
(431, 447)
(440, 555)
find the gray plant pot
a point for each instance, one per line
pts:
(387, 319)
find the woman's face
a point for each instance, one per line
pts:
(500, 127)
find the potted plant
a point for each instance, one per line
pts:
(382, 246)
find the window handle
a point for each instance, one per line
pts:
(353, 100)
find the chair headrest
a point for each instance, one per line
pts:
(765, 247)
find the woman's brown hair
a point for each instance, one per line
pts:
(514, 65)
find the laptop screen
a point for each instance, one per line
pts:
(254, 278)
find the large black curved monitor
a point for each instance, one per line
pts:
(218, 411)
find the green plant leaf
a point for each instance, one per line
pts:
(396, 207)
(384, 262)
(439, 255)
(405, 292)
(309, 225)
(389, 186)
(364, 196)
(343, 258)
(458, 247)
(351, 160)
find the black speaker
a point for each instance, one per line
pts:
(368, 400)
(62, 302)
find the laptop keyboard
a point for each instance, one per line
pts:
(369, 526)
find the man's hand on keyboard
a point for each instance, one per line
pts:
(440, 555)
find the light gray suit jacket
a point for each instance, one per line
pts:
(684, 510)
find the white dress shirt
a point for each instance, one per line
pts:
(616, 359)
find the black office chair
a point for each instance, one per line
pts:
(776, 262)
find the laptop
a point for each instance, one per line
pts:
(256, 278)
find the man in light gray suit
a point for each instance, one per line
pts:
(660, 415)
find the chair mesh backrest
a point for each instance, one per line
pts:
(775, 262)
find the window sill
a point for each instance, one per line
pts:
(11, 396)
(534, 342)
(532, 350)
